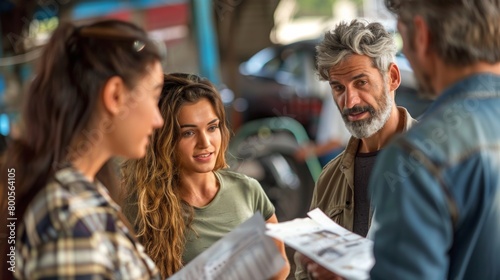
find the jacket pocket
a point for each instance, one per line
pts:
(336, 215)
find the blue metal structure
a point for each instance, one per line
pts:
(95, 8)
(206, 36)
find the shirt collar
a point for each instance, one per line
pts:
(481, 85)
(79, 184)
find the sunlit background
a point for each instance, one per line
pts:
(209, 37)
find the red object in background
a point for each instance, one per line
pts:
(124, 15)
(168, 21)
(164, 16)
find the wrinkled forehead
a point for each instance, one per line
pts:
(351, 67)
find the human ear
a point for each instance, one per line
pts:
(394, 78)
(113, 95)
(422, 37)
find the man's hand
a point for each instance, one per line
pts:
(316, 271)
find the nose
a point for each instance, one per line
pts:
(157, 119)
(351, 98)
(203, 139)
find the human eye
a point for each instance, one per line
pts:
(213, 127)
(361, 83)
(187, 133)
(336, 88)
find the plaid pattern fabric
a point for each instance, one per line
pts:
(72, 230)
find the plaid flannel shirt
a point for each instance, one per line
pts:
(72, 230)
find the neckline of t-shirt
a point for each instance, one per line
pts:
(216, 197)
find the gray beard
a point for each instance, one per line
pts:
(368, 127)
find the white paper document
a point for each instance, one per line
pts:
(328, 244)
(245, 253)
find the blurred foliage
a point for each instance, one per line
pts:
(318, 7)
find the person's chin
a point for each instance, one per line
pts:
(205, 168)
(139, 152)
(137, 155)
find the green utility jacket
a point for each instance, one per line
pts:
(334, 191)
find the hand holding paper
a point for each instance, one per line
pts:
(244, 253)
(328, 244)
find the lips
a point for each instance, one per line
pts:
(357, 113)
(357, 116)
(203, 156)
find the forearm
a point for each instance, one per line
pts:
(324, 148)
(283, 274)
(285, 271)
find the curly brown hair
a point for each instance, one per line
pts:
(154, 204)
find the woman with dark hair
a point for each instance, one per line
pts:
(180, 196)
(94, 96)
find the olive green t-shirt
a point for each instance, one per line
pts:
(239, 198)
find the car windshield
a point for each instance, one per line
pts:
(265, 61)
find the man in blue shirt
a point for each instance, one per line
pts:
(437, 193)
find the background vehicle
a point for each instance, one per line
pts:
(263, 149)
(280, 81)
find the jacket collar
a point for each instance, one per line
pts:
(477, 86)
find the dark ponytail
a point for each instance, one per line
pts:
(74, 66)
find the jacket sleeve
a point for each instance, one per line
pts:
(300, 273)
(412, 225)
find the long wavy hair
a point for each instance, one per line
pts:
(161, 218)
(62, 99)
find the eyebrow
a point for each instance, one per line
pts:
(362, 75)
(192, 125)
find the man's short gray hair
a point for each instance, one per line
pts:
(356, 37)
(462, 32)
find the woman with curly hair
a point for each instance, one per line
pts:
(181, 199)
